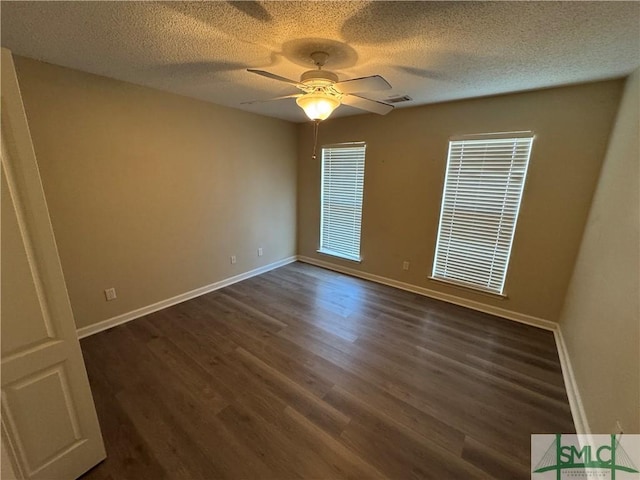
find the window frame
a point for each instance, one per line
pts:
(504, 137)
(326, 249)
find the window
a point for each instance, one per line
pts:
(480, 203)
(341, 199)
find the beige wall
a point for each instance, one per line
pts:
(151, 192)
(600, 321)
(405, 167)
(6, 468)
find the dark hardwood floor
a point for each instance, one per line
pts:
(306, 373)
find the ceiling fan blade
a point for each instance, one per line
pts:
(367, 104)
(275, 77)
(295, 95)
(364, 84)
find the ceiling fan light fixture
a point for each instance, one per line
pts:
(323, 92)
(318, 105)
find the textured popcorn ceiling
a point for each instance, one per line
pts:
(431, 51)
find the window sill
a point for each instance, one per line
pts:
(500, 296)
(340, 255)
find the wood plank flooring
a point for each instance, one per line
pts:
(306, 373)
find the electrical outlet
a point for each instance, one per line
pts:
(405, 265)
(233, 259)
(110, 294)
(260, 251)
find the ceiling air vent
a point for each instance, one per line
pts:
(399, 99)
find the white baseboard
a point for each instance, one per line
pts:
(481, 307)
(141, 312)
(575, 400)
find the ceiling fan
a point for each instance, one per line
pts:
(323, 93)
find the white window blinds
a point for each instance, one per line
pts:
(341, 199)
(480, 204)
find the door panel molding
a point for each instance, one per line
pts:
(49, 423)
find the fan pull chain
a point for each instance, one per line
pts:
(316, 124)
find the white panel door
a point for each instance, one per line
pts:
(49, 424)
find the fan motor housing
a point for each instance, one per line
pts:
(318, 78)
